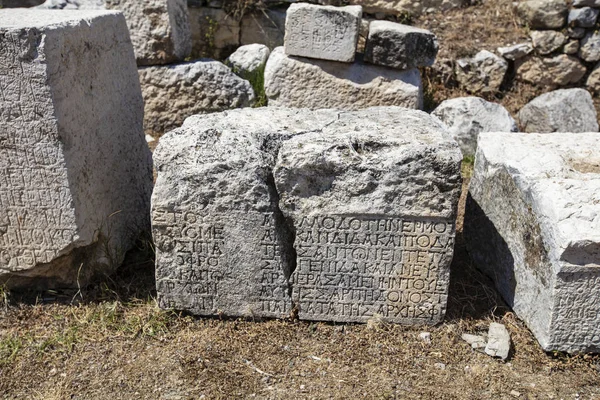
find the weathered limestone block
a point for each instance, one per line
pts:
(249, 60)
(590, 47)
(323, 32)
(483, 73)
(532, 223)
(543, 14)
(75, 170)
(552, 72)
(546, 42)
(174, 92)
(214, 32)
(516, 51)
(222, 246)
(400, 46)
(264, 27)
(372, 197)
(565, 110)
(307, 83)
(159, 29)
(467, 117)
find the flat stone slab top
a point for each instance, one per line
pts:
(532, 223)
(307, 83)
(400, 46)
(324, 32)
(259, 212)
(75, 171)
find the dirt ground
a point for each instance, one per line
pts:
(111, 341)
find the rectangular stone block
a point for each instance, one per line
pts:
(248, 222)
(308, 83)
(324, 32)
(160, 29)
(532, 224)
(400, 46)
(75, 171)
(371, 238)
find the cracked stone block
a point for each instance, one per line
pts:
(373, 206)
(75, 170)
(532, 224)
(234, 236)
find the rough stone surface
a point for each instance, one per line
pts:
(593, 81)
(159, 29)
(543, 14)
(371, 238)
(571, 47)
(552, 72)
(214, 32)
(565, 110)
(546, 42)
(532, 223)
(483, 73)
(224, 247)
(583, 17)
(75, 170)
(264, 27)
(586, 3)
(590, 47)
(576, 33)
(323, 32)
(249, 59)
(306, 83)
(412, 7)
(466, 117)
(516, 51)
(498, 343)
(175, 92)
(400, 46)
(221, 243)
(477, 342)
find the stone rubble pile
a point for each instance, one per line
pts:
(75, 170)
(316, 68)
(338, 215)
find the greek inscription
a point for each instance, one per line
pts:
(357, 267)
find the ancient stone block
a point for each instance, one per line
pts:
(467, 117)
(565, 110)
(552, 72)
(249, 60)
(174, 92)
(371, 237)
(75, 170)
(532, 224)
(483, 73)
(324, 32)
(159, 29)
(400, 46)
(221, 243)
(307, 83)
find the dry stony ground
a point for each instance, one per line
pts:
(110, 341)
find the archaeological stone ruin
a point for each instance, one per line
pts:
(257, 211)
(75, 171)
(533, 225)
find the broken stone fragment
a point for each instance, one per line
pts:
(516, 51)
(477, 342)
(249, 60)
(543, 14)
(498, 342)
(323, 32)
(483, 73)
(546, 42)
(75, 170)
(532, 225)
(400, 46)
